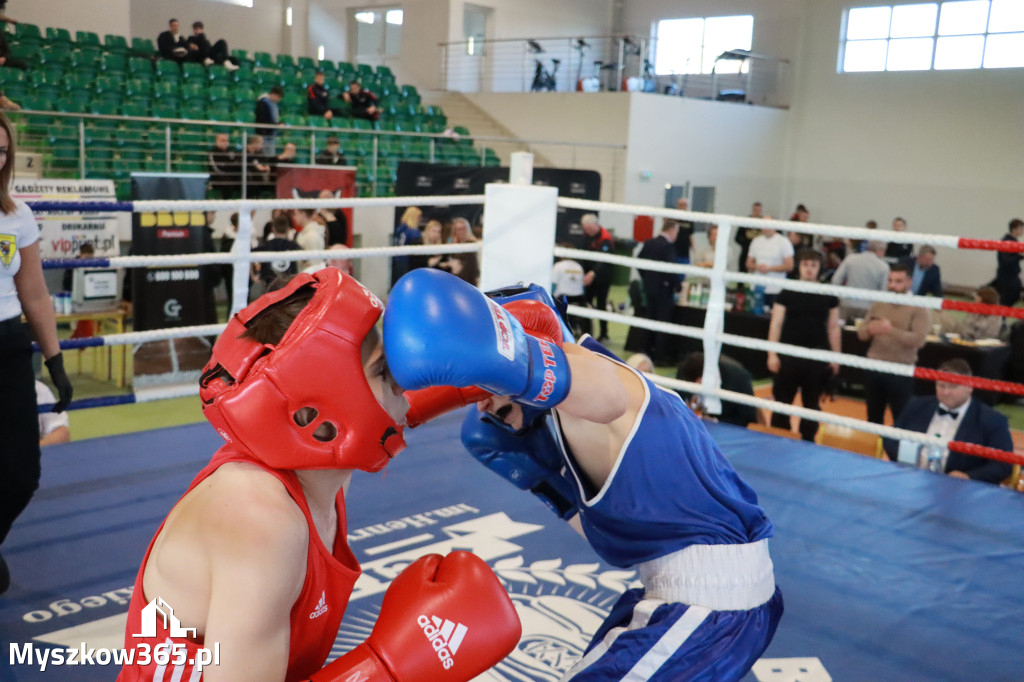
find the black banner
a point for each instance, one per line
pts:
(171, 296)
(428, 179)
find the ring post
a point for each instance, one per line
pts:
(241, 249)
(519, 230)
(714, 318)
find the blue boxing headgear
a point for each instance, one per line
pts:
(533, 417)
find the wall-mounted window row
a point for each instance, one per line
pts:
(958, 34)
(694, 45)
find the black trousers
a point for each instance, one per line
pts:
(882, 389)
(597, 297)
(19, 453)
(660, 308)
(1009, 290)
(806, 376)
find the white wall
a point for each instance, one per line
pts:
(75, 16)
(942, 149)
(260, 28)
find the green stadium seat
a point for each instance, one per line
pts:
(491, 158)
(384, 71)
(264, 60)
(58, 55)
(24, 31)
(218, 73)
(138, 87)
(136, 107)
(143, 47)
(114, 62)
(242, 56)
(306, 63)
(79, 81)
(219, 92)
(85, 58)
(285, 61)
(116, 44)
(192, 71)
(364, 71)
(140, 67)
(166, 90)
(58, 35)
(86, 38)
(194, 90)
(167, 69)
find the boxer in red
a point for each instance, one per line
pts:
(254, 558)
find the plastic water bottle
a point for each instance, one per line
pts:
(935, 458)
(758, 307)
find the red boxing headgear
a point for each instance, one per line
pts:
(252, 391)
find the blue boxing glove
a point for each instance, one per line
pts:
(531, 461)
(441, 331)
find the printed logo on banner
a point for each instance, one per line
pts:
(461, 183)
(157, 606)
(424, 181)
(172, 309)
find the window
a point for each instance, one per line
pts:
(378, 33)
(694, 45)
(242, 3)
(957, 34)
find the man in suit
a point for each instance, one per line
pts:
(926, 278)
(660, 288)
(953, 415)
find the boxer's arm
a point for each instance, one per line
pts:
(257, 558)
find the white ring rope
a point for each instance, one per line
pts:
(174, 206)
(826, 356)
(931, 302)
(838, 231)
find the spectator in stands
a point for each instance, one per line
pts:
(7, 104)
(288, 154)
(684, 240)
(433, 233)
(5, 55)
(465, 266)
(809, 321)
(770, 254)
(660, 289)
(407, 232)
(222, 163)
(734, 377)
(597, 278)
(268, 112)
(364, 102)
(897, 251)
(262, 274)
(200, 50)
(895, 333)
(974, 326)
(335, 220)
(332, 155)
(258, 171)
(951, 414)
(861, 245)
(927, 278)
(865, 270)
(171, 44)
(1007, 279)
(54, 427)
(318, 99)
(641, 362)
(312, 236)
(800, 240)
(340, 262)
(745, 235)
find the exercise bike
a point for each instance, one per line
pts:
(542, 78)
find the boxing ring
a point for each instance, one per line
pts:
(889, 572)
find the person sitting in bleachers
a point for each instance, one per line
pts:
(364, 102)
(333, 155)
(222, 163)
(200, 50)
(5, 55)
(171, 44)
(318, 99)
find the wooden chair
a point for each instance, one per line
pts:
(773, 430)
(851, 440)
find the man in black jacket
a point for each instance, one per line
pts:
(318, 99)
(171, 44)
(660, 288)
(200, 50)
(597, 277)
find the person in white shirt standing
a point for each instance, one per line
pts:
(567, 280)
(770, 254)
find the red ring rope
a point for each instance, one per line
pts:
(991, 245)
(985, 451)
(976, 382)
(983, 308)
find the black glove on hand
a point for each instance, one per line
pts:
(60, 381)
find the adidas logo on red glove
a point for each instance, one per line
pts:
(445, 636)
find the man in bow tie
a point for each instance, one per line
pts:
(953, 415)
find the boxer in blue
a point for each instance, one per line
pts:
(626, 461)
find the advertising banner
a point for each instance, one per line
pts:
(319, 182)
(63, 233)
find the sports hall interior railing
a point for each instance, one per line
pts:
(606, 63)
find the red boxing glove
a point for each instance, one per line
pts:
(443, 618)
(428, 403)
(538, 319)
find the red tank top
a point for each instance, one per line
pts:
(315, 616)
